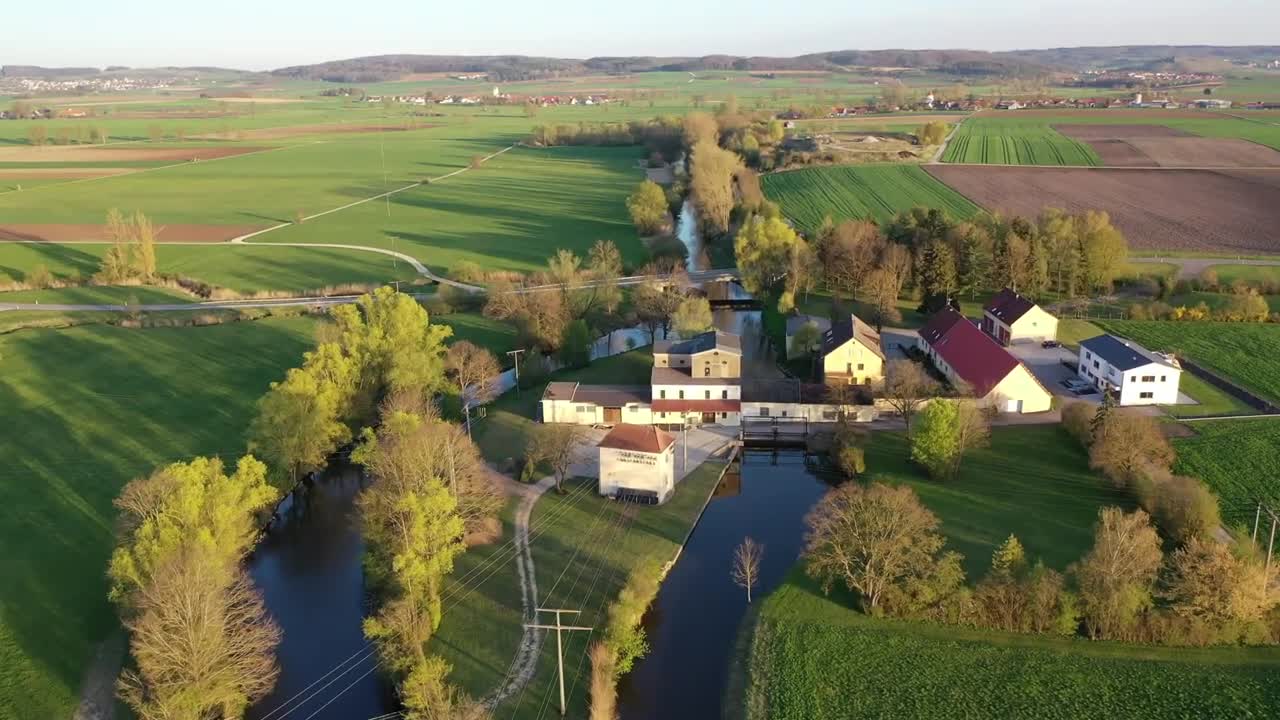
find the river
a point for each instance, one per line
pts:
(693, 624)
(309, 570)
(687, 233)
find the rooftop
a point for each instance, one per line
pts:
(711, 340)
(637, 438)
(972, 354)
(606, 395)
(1123, 354)
(1008, 306)
(842, 332)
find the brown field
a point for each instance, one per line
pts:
(1107, 112)
(1204, 210)
(96, 233)
(1160, 146)
(133, 153)
(262, 100)
(61, 173)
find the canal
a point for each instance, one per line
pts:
(309, 571)
(693, 624)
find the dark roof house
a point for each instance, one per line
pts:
(1008, 306)
(842, 332)
(1122, 354)
(711, 340)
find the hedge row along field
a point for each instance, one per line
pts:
(876, 192)
(984, 141)
(1238, 459)
(1245, 353)
(814, 658)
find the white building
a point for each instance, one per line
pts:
(578, 404)
(698, 380)
(637, 463)
(1137, 375)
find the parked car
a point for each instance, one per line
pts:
(1050, 344)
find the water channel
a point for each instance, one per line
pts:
(309, 570)
(693, 624)
(687, 233)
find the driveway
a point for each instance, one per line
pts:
(1046, 365)
(892, 338)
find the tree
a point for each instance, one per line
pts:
(37, 135)
(946, 430)
(604, 264)
(540, 316)
(693, 317)
(394, 344)
(557, 445)
(1057, 231)
(1210, 583)
(1127, 443)
(882, 294)
(763, 248)
(700, 127)
(301, 419)
(711, 184)
(932, 133)
(1185, 509)
(575, 347)
(144, 255)
(807, 340)
(1103, 250)
(476, 371)
(202, 642)
(1118, 574)
(655, 304)
(746, 565)
(936, 269)
(427, 695)
(801, 274)
(907, 386)
(849, 251)
(874, 539)
(117, 262)
(648, 207)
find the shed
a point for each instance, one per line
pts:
(637, 463)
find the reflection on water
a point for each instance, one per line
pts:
(309, 570)
(687, 233)
(692, 625)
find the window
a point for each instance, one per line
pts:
(764, 411)
(1148, 378)
(724, 415)
(1162, 377)
(1134, 378)
(681, 394)
(830, 415)
(662, 394)
(1146, 395)
(708, 397)
(1095, 363)
(585, 408)
(724, 394)
(848, 368)
(706, 371)
(860, 366)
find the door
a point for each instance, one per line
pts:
(708, 418)
(1015, 406)
(612, 416)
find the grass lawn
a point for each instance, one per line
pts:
(815, 658)
(1071, 332)
(85, 410)
(494, 335)
(243, 268)
(504, 431)
(583, 547)
(875, 192)
(1212, 400)
(1246, 353)
(1033, 481)
(1252, 274)
(1238, 459)
(99, 295)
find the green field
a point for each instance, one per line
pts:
(1246, 353)
(876, 192)
(583, 546)
(242, 268)
(85, 410)
(815, 658)
(1239, 459)
(1249, 273)
(985, 140)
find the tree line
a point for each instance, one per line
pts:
(201, 638)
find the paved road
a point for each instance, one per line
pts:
(1189, 268)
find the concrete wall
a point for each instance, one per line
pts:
(697, 392)
(810, 412)
(627, 469)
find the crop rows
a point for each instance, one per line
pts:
(1238, 459)
(876, 192)
(986, 142)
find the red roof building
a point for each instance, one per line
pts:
(638, 438)
(971, 358)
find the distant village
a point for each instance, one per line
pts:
(82, 86)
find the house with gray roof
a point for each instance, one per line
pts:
(1135, 374)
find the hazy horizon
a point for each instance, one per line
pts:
(255, 36)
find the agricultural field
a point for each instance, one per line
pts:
(872, 192)
(1162, 146)
(815, 658)
(979, 141)
(1245, 353)
(1186, 210)
(132, 399)
(241, 268)
(1238, 459)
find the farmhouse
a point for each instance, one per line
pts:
(637, 463)
(971, 358)
(851, 353)
(1012, 318)
(1136, 375)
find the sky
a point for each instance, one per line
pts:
(266, 34)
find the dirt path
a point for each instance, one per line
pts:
(525, 662)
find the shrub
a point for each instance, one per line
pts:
(1186, 509)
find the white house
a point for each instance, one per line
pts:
(578, 404)
(1137, 375)
(1012, 318)
(637, 463)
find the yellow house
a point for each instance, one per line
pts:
(970, 358)
(851, 353)
(1011, 318)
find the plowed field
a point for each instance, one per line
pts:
(1160, 146)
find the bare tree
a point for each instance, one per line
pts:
(1116, 578)
(907, 386)
(746, 565)
(557, 445)
(202, 640)
(476, 370)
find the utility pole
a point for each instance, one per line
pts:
(559, 644)
(515, 354)
(1266, 572)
